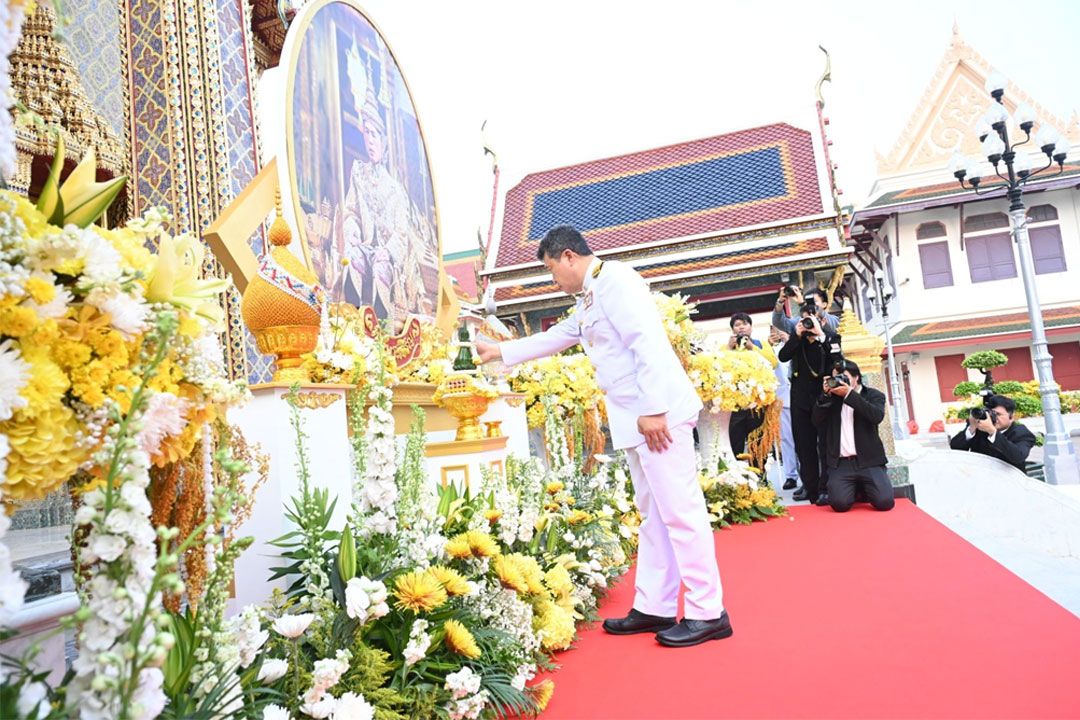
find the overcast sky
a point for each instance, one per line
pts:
(564, 81)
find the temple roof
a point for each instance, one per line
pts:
(462, 268)
(942, 332)
(765, 175)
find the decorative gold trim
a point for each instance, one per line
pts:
(414, 393)
(464, 447)
(313, 400)
(496, 467)
(514, 400)
(454, 468)
(303, 386)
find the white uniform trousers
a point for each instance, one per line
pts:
(675, 541)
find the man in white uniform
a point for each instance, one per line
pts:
(652, 409)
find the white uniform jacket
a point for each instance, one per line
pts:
(617, 323)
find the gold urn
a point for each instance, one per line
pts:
(282, 305)
(465, 405)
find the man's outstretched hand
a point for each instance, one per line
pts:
(655, 430)
(488, 352)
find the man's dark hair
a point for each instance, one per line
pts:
(808, 308)
(559, 238)
(1000, 401)
(740, 316)
(853, 369)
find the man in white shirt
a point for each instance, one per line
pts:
(848, 414)
(652, 408)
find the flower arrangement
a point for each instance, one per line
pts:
(675, 313)
(727, 380)
(568, 381)
(734, 493)
(344, 352)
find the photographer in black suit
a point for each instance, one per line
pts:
(991, 431)
(809, 349)
(848, 414)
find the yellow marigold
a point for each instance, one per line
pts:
(554, 624)
(17, 321)
(541, 694)
(482, 544)
(44, 451)
(452, 581)
(168, 377)
(460, 640)
(47, 383)
(458, 547)
(419, 591)
(578, 516)
(110, 346)
(554, 486)
(558, 581)
(510, 573)
(40, 290)
(492, 515)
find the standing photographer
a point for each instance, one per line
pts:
(744, 422)
(848, 414)
(991, 431)
(810, 349)
(818, 298)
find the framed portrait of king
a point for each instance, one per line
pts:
(358, 169)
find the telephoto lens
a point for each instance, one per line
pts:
(808, 323)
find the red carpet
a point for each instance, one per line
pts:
(861, 615)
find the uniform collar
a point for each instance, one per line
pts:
(591, 273)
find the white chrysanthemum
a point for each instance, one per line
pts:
(352, 706)
(320, 710)
(275, 712)
(16, 373)
(273, 670)
(102, 262)
(164, 417)
(127, 312)
(56, 307)
(293, 626)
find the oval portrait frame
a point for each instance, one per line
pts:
(290, 174)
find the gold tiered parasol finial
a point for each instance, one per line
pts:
(282, 305)
(44, 77)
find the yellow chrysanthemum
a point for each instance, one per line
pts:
(510, 573)
(458, 547)
(541, 694)
(131, 247)
(17, 321)
(460, 640)
(26, 211)
(558, 581)
(554, 624)
(44, 451)
(482, 544)
(419, 591)
(71, 353)
(577, 517)
(190, 326)
(554, 486)
(40, 290)
(530, 570)
(492, 515)
(452, 581)
(47, 383)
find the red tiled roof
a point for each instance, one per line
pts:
(464, 271)
(675, 267)
(751, 177)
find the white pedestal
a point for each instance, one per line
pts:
(714, 439)
(461, 463)
(266, 420)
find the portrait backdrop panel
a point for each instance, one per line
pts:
(359, 169)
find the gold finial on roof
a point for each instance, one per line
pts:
(280, 234)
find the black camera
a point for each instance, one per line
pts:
(790, 291)
(742, 341)
(835, 381)
(807, 323)
(979, 413)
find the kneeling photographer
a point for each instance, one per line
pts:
(991, 431)
(848, 414)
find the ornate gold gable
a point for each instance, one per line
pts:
(45, 79)
(943, 121)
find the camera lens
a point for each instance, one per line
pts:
(808, 323)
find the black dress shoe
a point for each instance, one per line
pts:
(799, 495)
(638, 622)
(823, 499)
(791, 484)
(694, 632)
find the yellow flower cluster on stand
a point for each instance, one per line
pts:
(569, 381)
(732, 380)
